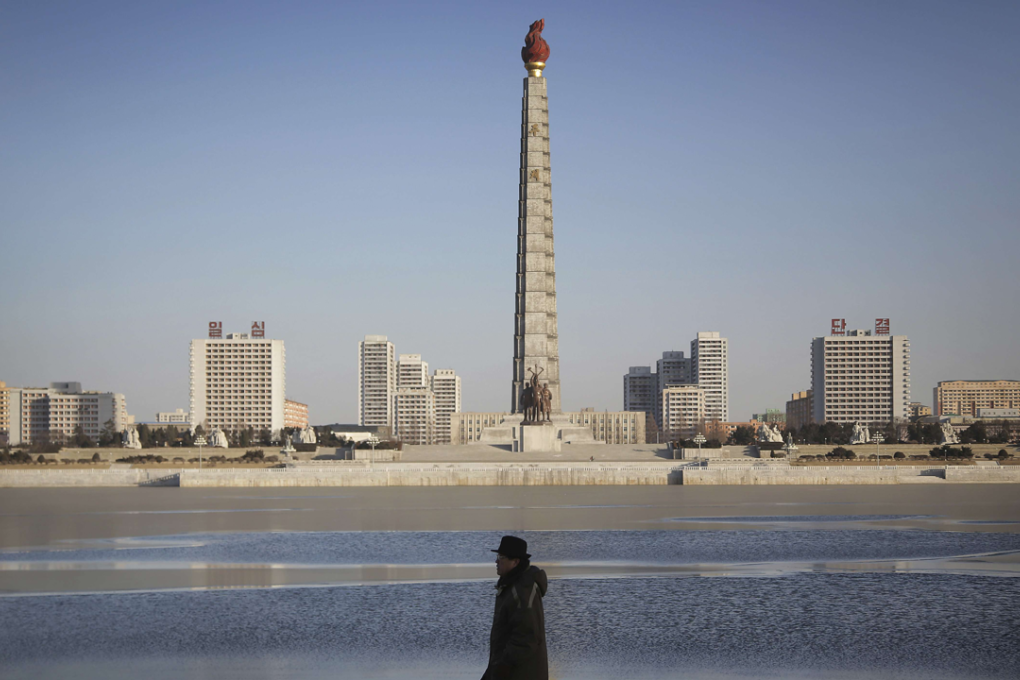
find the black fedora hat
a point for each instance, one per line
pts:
(513, 547)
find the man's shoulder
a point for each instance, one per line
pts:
(533, 577)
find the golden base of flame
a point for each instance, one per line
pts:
(535, 68)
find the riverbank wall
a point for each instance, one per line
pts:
(511, 474)
(848, 475)
(536, 474)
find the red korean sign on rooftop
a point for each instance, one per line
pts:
(215, 329)
(881, 326)
(838, 327)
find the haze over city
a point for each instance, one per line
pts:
(337, 171)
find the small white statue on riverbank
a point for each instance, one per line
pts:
(861, 434)
(769, 434)
(305, 436)
(130, 440)
(949, 435)
(218, 439)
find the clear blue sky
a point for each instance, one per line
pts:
(337, 169)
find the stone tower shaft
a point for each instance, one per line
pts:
(536, 340)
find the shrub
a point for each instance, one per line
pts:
(1003, 454)
(178, 460)
(95, 457)
(41, 459)
(255, 456)
(778, 454)
(840, 452)
(272, 459)
(899, 455)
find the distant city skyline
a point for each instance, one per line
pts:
(340, 171)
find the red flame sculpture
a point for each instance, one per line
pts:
(535, 48)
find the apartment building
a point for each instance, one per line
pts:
(671, 369)
(412, 371)
(377, 381)
(710, 370)
(295, 414)
(798, 409)
(446, 388)
(639, 388)
(414, 415)
(683, 410)
(238, 382)
(5, 413)
(861, 377)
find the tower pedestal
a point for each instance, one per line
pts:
(536, 438)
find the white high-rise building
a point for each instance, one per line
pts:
(683, 410)
(377, 381)
(414, 415)
(238, 382)
(59, 410)
(860, 377)
(710, 370)
(446, 388)
(671, 369)
(639, 387)
(412, 371)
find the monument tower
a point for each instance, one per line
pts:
(536, 341)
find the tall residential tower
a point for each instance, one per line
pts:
(710, 371)
(377, 381)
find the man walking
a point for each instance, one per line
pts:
(517, 642)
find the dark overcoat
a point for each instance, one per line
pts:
(517, 642)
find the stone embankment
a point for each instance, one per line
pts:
(454, 474)
(733, 472)
(94, 477)
(846, 475)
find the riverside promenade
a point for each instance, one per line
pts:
(481, 465)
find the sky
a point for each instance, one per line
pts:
(337, 169)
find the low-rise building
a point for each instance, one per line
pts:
(178, 417)
(360, 433)
(919, 410)
(57, 411)
(771, 415)
(611, 427)
(964, 397)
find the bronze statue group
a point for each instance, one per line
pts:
(536, 399)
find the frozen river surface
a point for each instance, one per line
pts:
(822, 592)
